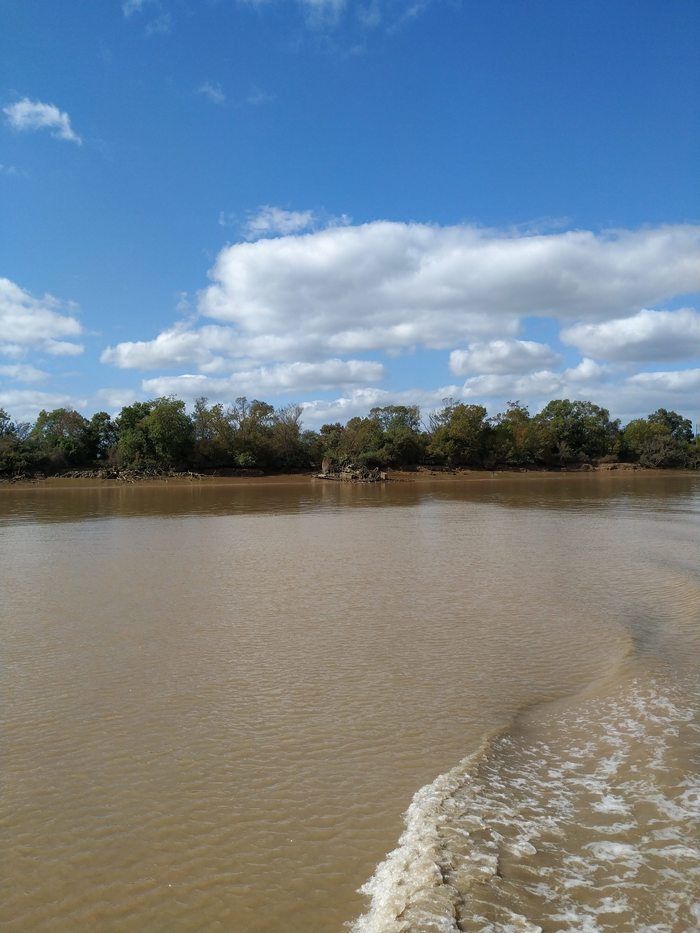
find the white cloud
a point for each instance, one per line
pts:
(586, 371)
(22, 372)
(358, 402)
(62, 348)
(539, 384)
(39, 323)
(115, 399)
(647, 335)
(322, 14)
(178, 346)
(257, 97)
(502, 356)
(160, 26)
(275, 221)
(280, 379)
(25, 404)
(213, 91)
(30, 115)
(674, 381)
(281, 307)
(391, 285)
(129, 7)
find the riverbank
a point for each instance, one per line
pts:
(417, 475)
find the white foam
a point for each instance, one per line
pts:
(531, 805)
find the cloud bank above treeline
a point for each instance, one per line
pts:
(351, 313)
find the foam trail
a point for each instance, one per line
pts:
(588, 822)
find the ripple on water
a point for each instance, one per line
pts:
(586, 821)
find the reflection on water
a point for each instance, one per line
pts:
(221, 697)
(68, 500)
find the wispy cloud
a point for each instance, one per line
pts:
(23, 372)
(29, 116)
(257, 97)
(212, 91)
(276, 221)
(160, 26)
(129, 7)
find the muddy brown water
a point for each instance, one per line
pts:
(220, 698)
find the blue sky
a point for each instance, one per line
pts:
(350, 203)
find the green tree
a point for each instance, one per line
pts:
(103, 436)
(285, 439)
(62, 438)
(510, 441)
(458, 434)
(679, 427)
(401, 443)
(575, 431)
(134, 448)
(213, 434)
(170, 431)
(157, 433)
(361, 442)
(252, 425)
(653, 443)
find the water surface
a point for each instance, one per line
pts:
(221, 698)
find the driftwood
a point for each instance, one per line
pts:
(351, 473)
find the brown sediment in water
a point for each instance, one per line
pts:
(223, 694)
(422, 475)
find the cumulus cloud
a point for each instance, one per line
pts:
(647, 335)
(39, 323)
(502, 356)
(25, 404)
(280, 307)
(281, 379)
(675, 381)
(359, 401)
(538, 384)
(178, 346)
(275, 221)
(31, 115)
(392, 285)
(22, 372)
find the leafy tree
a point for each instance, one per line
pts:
(213, 434)
(134, 446)
(458, 435)
(170, 431)
(103, 435)
(62, 437)
(510, 441)
(653, 443)
(679, 427)
(285, 439)
(575, 431)
(154, 433)
(252, 425)
(362, 442)
(401, 442)
(7, 425)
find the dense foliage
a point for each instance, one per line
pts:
(161, 434)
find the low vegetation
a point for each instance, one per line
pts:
(162, 435)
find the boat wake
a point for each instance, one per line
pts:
(584, 818)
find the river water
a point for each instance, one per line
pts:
(297, 705)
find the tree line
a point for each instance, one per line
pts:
(161, 434)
